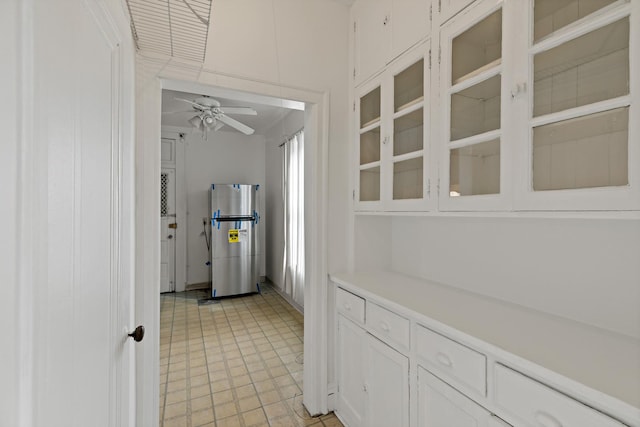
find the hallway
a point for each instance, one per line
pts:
(235, 362)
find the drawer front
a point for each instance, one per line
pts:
(350, 305)
(388, 325)
(537, 405)
(452, 361)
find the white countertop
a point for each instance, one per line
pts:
(602, 360)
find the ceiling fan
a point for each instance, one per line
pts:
(211, 115)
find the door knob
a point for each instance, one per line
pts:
(170, 236)
(137, 334)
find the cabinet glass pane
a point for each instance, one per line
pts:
(370, 108)
(477, 49)
(476, 109)
(408, 132)
(588, 69)
(475, 169)
(585, 152)
(408, 86)
(407, 179)
(370, 184)
(551, 15)
(370, 146)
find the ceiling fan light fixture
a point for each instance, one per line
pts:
(196, 121)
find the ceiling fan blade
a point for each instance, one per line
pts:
(195, 104)
(177, 112)
(235, 124)
(248, 111)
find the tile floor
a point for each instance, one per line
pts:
(235, 362)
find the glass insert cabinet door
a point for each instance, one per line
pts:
(472, 76)
(392, 136)
(370, 145)
(581, 102)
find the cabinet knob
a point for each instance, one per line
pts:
(385, 326)
(444, 360)
(546, 420)
(386, 20)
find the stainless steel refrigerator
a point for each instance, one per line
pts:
(235, 240)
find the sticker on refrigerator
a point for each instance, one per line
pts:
(237, 235)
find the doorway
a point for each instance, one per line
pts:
(168, 227)
(159, 76)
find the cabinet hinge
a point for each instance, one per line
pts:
(429, 58)
(438, 186)
(439, 55)
(353, 195)
(354, 26)
(430, 12)
(354, 72)
(439, 5)
(429, 187)
(354, 105)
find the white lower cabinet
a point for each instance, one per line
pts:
(386, 385)
(373, 380)
(351, 395)
(440, 405)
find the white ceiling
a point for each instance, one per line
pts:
(268, 115)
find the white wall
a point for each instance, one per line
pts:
(582, 269)
(225, 158)
(274, 224)
(9, 149)
(300, 44)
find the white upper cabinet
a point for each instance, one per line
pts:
(393, 170)
(537, 106)
(578, 138)
(474, 106)
(377, 40)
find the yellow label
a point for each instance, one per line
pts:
(233, 236)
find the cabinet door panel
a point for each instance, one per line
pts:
(372, 40)
(387, 385)
(350, 372)
(409, 24)
(440, 405)
(449, 8)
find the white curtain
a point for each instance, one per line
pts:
(293, 198)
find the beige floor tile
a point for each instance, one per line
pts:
(223, 396)
(229, 422)
(241, 380)
(248, 403)
(201, 418)
(276, 410)
(200, 390)
(201, 403)
(255, 417)
(269, 397)
(175, 410)
(199, 380)
(220, 385)
(175, 422)
(175, 397)
(245, 391)
(225, 410)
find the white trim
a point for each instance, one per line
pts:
(153, 76)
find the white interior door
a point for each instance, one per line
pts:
(78, 70)
(168, 230)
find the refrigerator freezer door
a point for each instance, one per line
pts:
(233, 199)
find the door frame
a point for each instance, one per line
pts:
(153, 75)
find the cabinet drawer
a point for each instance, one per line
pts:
(537, 405)
(452, 361)
(350, 305)
(388, 325)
